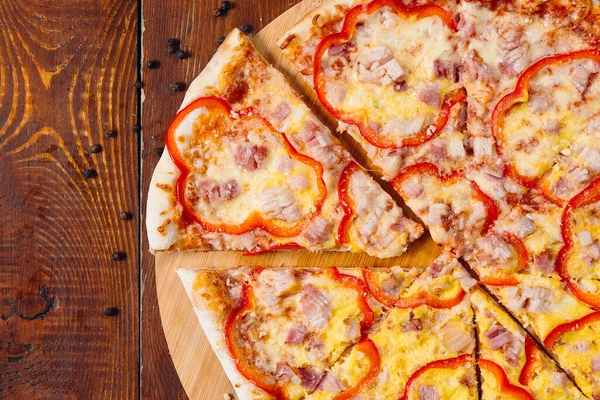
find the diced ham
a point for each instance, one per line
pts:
(212, 193)
(561, 187)
(429, 93)
(581, 78)
(412, 189)
(391, 286)
(466, 280)
(282, 111)
(524, 227)
(439, 268)
(377, 54)
(369, 227)
(591, 157)
(316, 306)
(465, 26)
(278, 281)
(412, 324)
(250, 156)
(544, 262)
(403, 127)
(537, 299)
(515, 50)
(476, 69)
(428, 392)
(283, 164)
(318, 231)
(577, 174)
(596, 363)
(367, 76)
(498, 337)
(296, 335)
(496, 247)
(585, 238)
(436, 212)
(559, 379)
(285, 374)
(394, 70)
(538, 103)
(279, 202)
(310, 378)
(455, 338)
(551, 127)
(593, 126)
(330, 384)
(314, 135)
(482, 147)
(445, 69)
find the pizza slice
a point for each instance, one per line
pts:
(567, 327)
(511, 363)
(389, 73)
(249, 167)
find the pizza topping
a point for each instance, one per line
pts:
(544, 262)
(429, 93)
(445, 69)
(285, 374)
(213, 193)
(413, 189)
(412, 324)
(514, 49)
(428, 392)
(282, 111)
(524, 227)
(249, 156)
(455, 338)
(596, 363)
(501, 338)
(532, 299)
(559, 379)
(483, 147)
(310, 378)
(279, 202)
(296, 335)
(318, 231)
(316, 306)
(539, 103)
(331, 384)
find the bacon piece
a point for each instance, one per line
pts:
(316, 306)
(429, 93)
(330, 384)
(544, 262)
(428, 392)
(213, 193)
(498, 337)
(318, 231)
(296, 335)
(282, 111)
(445, 69)
(279, 202)
(250, 156)
(455, 338)
(310, 378)
(533, 299)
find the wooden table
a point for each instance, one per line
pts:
(67, 70)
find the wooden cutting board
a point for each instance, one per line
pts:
(198, 368)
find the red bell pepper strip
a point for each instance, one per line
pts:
(255, 219)
(588, 196)
(532, 358)
(368, 348)
(450, 363)
(506, 387)
(275, 247)
(430, 169)
(346, 202)
(572, 326)
(345, 35)
(247, 304)
(412, 301)
(520, 95)
(523, 255)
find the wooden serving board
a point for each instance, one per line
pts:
(198, 368)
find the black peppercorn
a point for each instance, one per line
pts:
(159, 151)
(117, 256)
(173, 50)
(173, 42)
(138, 84)
(181, 54)
(178, 86)
(111, 133)
(96, 148)
(221, 39)
(226, 5)
(246, 28)
(111, 311)
(126, 215)
(89, 173)
(136, 128)
(153, 64)
(217, 12)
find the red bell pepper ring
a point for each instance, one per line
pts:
(275, 247)
(532, 358)
(520, 95)
(430, 169)
(588, 196)
(523, 255)
(572, 326)
(413, 301)
(348, 30)
(255, 219)
(506, 387)
(247, 304)
(368, 348)
(346, 202)
(450, 363)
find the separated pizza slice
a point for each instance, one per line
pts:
(389, 73)
(568, 328)
(249, 167)
(510, 361)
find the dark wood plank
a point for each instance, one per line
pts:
(193, 22)
(66, 74)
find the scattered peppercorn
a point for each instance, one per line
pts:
(226, 5)
(246, 28)
(111, 133)
(181, 54)
(117, 256)
(217, 12)
(89, 173)
(96, 148)
(126, 215)
(153, 64)
(136, 128)
(221, 39)
(159, 151)
(111, 311)
(178, 86)
(173, 42)
(138, 84)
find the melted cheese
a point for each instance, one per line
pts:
(585, 219)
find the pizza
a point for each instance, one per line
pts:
(484, 117)
(249, 167)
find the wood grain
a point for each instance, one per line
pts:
(199, 370)
(66, 74)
